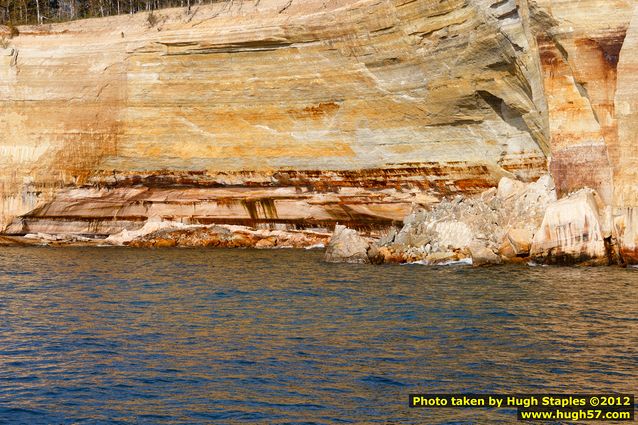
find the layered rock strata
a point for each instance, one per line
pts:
(226, 237)
(168, 234)
(587, 52)
(280, 114)
(304, 113)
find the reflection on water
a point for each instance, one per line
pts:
(117, 335)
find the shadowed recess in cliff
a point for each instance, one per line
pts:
(503, 110)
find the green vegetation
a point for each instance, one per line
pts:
(19, 12)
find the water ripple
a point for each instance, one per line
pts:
(120, 336)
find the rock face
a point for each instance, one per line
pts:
(587, 51)
(305, 114)
(302, 113)
(580, 47)
(573, 231)
(626, 170)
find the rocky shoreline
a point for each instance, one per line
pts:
(515, 222)
(167, 234)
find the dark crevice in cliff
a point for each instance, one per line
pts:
(612, 250)
(512, 14)
(454, 123)
(499, 4)
(562, 50)
(194, 48)
(14, 59)
(502, 66)
(585, 93)
(286, 6)
(503, 110)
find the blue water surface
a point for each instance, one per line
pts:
(196, 336)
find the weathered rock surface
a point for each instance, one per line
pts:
(573, 231)
(483, 256)
(328, 112)
(346, 246)
(163, 234)
(474, 227)
(228, 237)
(626, 233)
(516, 243)
(626, 169)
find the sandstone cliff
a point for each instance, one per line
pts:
(316, 112)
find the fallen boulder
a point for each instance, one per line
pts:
(483, 256)
(572, 232)
(518, 242)
(346, 246)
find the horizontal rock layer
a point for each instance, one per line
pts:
(364, 199)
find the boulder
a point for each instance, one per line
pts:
(165, 243)
(388, 237)
(508, 188)
(346, 246)
(442, 257)
(501, 219)
(571, 231)
(455, 234)
(268, 242)
(375, 255)
(520, 240)
(482, 255)
(506, 250)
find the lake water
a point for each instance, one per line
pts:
(190, 336)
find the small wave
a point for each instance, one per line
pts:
(381, 380)
(11, 411)
(462, 262)
(316, 246)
